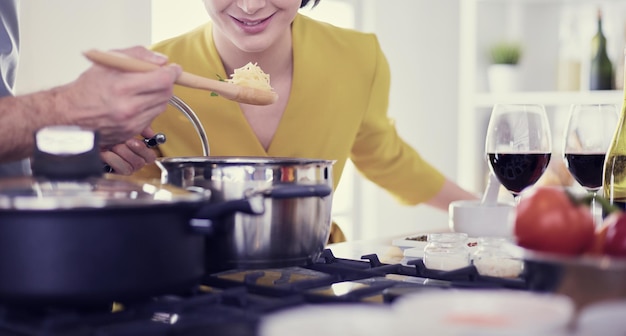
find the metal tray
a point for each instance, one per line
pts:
(606, 263)
(586, 279)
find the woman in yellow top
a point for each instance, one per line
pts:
(333, 88)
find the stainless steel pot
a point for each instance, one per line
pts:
(296, 223)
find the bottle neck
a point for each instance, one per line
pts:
(599, 43)
(599, 21)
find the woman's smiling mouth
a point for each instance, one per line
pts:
(253, 26)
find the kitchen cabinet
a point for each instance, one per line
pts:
(536, 24)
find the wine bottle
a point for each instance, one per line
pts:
(620, 68)
(614, 174)
(601, 69)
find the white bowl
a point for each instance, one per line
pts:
(482, 220)
(411, 241)
(329, 320)
(478, 312)
(605, 318)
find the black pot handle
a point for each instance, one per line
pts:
(202, 222)
(251, 206)
(297, 190)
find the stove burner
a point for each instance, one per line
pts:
(233, 302)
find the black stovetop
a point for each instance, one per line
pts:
(234, 302)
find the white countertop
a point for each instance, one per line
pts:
(386, 252)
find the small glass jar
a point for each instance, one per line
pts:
(492, 259)
(446, 251)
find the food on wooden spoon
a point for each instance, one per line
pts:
(239, 93)
(252, 76)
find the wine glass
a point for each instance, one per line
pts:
(518, 145)
(587, 137)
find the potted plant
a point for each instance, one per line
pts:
(503, 73)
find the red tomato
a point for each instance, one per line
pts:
(547, 220)
(615, 241)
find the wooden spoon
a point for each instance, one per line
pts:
(238, 93)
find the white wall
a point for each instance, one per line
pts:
(421, 41)
(54, 33)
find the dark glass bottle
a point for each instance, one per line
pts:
(601, 69)
(620, 66)
(614, 176)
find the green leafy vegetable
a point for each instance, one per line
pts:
(219, 78)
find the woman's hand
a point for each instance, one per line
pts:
(130, 156)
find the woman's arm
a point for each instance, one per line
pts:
(448, 193)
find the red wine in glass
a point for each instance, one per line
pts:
(516, 171)
(586, 168)
(518, 145)
(587, 137)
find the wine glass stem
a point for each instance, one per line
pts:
(516, 198)
(596, 212)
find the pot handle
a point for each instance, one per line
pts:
(297, 190)
(202, 222)
(250, 205)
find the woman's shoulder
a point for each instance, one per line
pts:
(339, 38)
(339, 50)
(189, 39)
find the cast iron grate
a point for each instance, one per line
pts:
(233, 302)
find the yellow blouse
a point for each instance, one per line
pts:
(337, 109)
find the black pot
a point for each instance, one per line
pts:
(97, 256)
(53, 253)
(71, 237)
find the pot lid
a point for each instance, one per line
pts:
(243, 160)
(36, 193)
(68, 174)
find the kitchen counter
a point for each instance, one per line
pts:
(585, 285)
(382, 246)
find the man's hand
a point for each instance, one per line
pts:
(119, 104)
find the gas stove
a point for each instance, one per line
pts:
(234, 302)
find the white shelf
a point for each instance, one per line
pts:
(536, 24)
(550, 98)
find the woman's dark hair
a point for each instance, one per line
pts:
(305, 2)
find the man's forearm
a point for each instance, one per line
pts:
(20, 117)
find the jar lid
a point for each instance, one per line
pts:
(447, 237)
